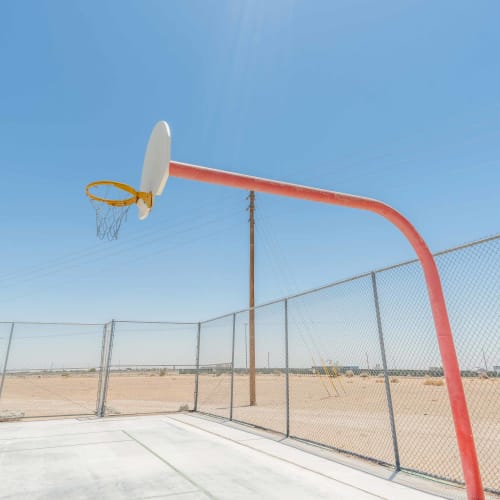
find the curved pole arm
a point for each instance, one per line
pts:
(451, 368)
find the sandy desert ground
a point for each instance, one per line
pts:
(346, 413)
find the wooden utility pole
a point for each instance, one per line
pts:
(251, 209)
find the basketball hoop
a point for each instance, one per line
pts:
(112, 200)
(111, 210)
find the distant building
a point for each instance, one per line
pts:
(341, 369)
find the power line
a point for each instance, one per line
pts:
(109, 253)
(126, 262)
(132, 242)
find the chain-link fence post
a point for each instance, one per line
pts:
(107, 367)
(101, 368)
(232, 370)
(6, 359)
(386, 374)
(195, 408)
(287, 381)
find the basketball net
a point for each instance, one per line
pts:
(109, 219)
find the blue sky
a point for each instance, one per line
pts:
(395, 100)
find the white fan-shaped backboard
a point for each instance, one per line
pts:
(156, 165)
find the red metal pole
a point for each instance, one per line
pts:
(451, 368)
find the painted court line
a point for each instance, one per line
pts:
(187, 478)
(272, 455)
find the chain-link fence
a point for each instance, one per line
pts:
(269, 410)
(426, 438)
(152, 367)
(353, 365)
(214, 370)
(340, 403)
(49, 369)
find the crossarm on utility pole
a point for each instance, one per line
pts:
(451, 368)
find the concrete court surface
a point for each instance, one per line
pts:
(178, 456)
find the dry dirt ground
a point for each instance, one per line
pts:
(346, 413)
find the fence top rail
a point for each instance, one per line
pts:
(191, 323)
(69, 323)
(352, 278)
(63, 323)
(54, 369)
(441, 252)
(289, 297)
(162, 365)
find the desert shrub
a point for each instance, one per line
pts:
(10, 416)
(379, 380)
(395, 380)
(433, 381)
(64, 374)
(184, 408)
(92, 370)
(364, 374)
(349, 373)
(277, 372)
(483, 376)
(163, 372)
